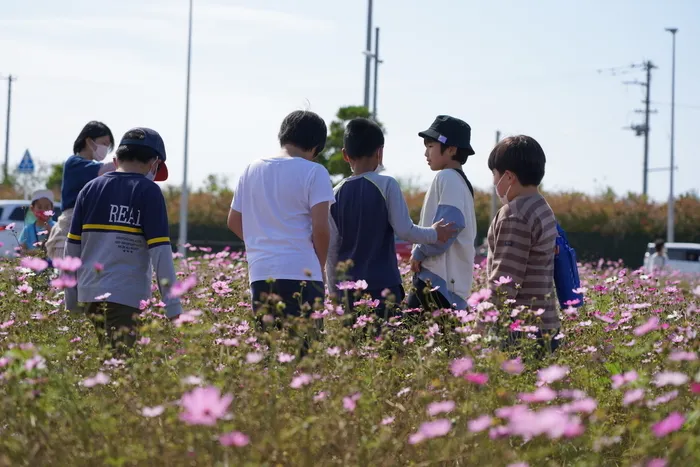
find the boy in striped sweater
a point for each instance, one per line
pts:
(521, 238)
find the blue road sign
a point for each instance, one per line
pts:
(26, 166)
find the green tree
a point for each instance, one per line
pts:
(55, 177)
(332, 157)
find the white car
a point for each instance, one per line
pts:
(13, 211)
(682, 257)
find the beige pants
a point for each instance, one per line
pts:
(56, 244)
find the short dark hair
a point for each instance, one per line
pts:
(521, 155)
(305, 130)
(92, 130)
(460, 156)
(133, 152)
(659, 245)
(362, 138)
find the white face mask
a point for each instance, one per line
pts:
(100, 152)
(151, 175)
(503, 198)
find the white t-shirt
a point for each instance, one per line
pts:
(275, 197)
(658, 262)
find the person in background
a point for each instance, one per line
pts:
(121, 223)
(369, 209)
(36, 232)
(658, 260)
(91, 147)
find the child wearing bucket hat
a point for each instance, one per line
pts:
(36, 232)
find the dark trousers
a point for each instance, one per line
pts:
(293, 293)
(115, 324)
(421, 297)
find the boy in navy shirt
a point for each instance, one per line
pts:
(369, 210)
(121, 223)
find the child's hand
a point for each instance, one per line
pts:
(415, 265)
(444, 231)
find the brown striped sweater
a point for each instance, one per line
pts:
(521, 242)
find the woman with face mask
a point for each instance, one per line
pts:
(91, 147)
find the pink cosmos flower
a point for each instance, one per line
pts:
(586, 405)
(519, 464)
(503, 281)
(98, 267)
(144, 341)
(388, 421)
(680, 356)
(478, 297)
(460, 366)
(440, 407)
(301, 381)
(480, 424)
(7, 324)
(621, 379)
(180, 288)
(630, 397)
(204, 406)
(430, 430)
(695, 388)
(350, 285)
(672, 378)
(333, 351)
(350, 402)
(36, 362)
(24, 289)
(657, 463)
(673, 422)
(67, 264)
(254, 357)
(552, 373)
(10, 226)
(151, 412)
(477, 378)
(99, 378)
(64, 282)
(284, 357)
(649, 326)
(34, 263)
(235, 438)
(514, 367)
(103, 297)
(543, 394)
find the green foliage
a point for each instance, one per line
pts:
(332, 156)
(51, 415)
(55, 178)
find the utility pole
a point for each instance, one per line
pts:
(184, 195)
(6, 166)
(494, 195)
(671, 216)
(377, 62)
(368, 53)
(643, 129)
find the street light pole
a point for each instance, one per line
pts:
(368, 50)
(670, 228)
(184, 196)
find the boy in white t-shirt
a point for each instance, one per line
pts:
(444, 271)
(280, 210)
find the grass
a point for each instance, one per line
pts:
(354, 399)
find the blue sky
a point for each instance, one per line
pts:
(519, 67)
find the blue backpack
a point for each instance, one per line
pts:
(566, 272)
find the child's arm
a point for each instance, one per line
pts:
(73, 249)
(510, 254)
(449, 198)
(332, 261)
(106, 167)
(235, 223)
(157, 233)
(320, 197)
(320, 231)
(400, 219)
